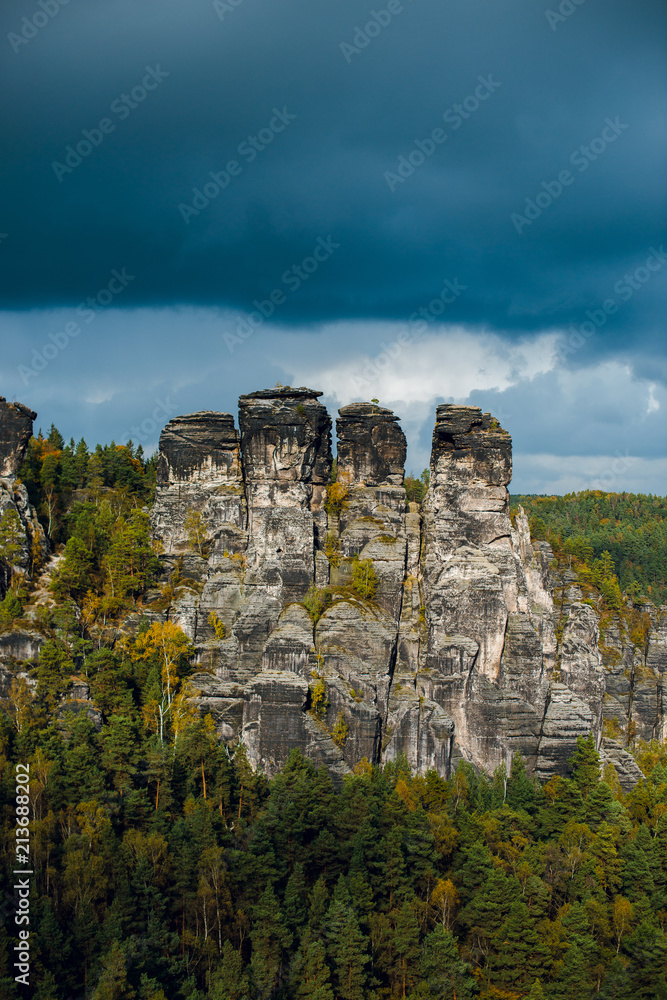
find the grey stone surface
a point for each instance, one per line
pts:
(454, 654)
(15, 433)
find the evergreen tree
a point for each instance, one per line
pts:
(294, 903)
(585, 765)
(442, 971)
(349, 950)
(520, 789)
(113, 983)
(311, 978)
(270, 939)
(520, 957)
(405, 942)
(229, 982)
(616, 984)
(319, 904)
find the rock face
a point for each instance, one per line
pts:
(15, 433)
(337, 617)
(635, 661)
(371, 445)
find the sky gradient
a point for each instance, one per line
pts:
(412, 201)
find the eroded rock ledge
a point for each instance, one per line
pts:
(455, 655)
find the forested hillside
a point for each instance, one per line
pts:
(171, 870)
(631, 528)
(167, 869)
(93, 507)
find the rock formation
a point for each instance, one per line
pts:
(451, 649)
(15, 433)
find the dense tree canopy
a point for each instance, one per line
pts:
(166, 868)
(622, 535)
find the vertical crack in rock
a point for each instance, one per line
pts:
(357, 636)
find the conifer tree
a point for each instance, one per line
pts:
(585, 765)
(520, 957)
(442, 971)
(270, 939)
(405, 942)
(295, 900)
(229, 982)
(349, 950)
(311, 977)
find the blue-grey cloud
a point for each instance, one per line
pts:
(359, 115)
(213, 150)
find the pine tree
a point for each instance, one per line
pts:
(519, 957)
(648, 950)
(113, 984)
(405, 942)
(520, 789)
(574, 980)
(442, 971)
(270, 939)
(311, 978)
(319, 903)
(585, 765)
(229, 981)
(349, 948)
(637, 876)
(616, 984)
(294, 902)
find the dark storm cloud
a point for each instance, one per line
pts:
(221, 72)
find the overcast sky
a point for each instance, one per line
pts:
(448, 201)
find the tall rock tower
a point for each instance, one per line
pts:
(15, 432)
(338, 618)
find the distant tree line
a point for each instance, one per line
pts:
(621, 536)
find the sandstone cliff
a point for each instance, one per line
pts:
(15, 433)
(330, 614)
(455, 649)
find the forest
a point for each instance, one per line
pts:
(631, 528)
(171, 870)
(166, 869)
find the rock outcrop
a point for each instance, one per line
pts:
(336, 617)
(15, 432)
